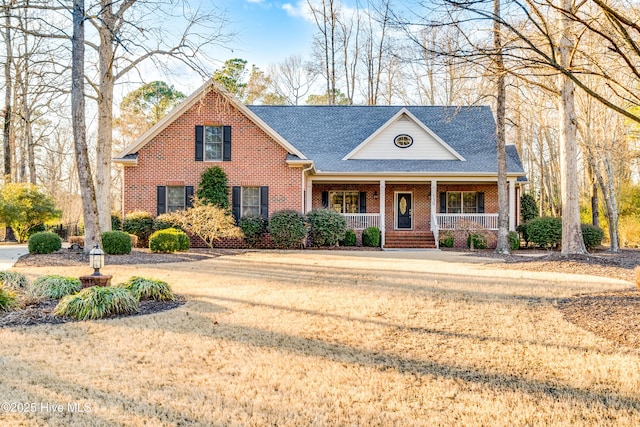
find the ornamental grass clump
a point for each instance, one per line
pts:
(7, 299)
(97, 302)
(148, 289)
(13, 280)
(54, 286)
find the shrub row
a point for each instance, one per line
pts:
(546, 232)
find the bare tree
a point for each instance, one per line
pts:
(87, 190)
(292, 79)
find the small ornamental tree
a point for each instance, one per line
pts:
(528, 207)
(210, 223)
(24, 206)
(213, 188)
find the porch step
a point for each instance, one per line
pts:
(409, 239)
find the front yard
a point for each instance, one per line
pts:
(327, 338)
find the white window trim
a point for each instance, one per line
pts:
(204, 143)
(184, 192)
(344, 207)
(242, 188)
(462, 201)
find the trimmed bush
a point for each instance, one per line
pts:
(7, 299)
(371, 237)
(326, 227)
(446, 239)
(116, 221)
(253, 227)
(350, 238)
(116, 243)
(169, 240)
(139, 223)
(164, 221)
(148, 289)
(287, 229)
(545, 232)
(54, 287)
(97, 302)
(44, 242)
(592, 236)
(14, 281)
(514, 241)
(479, 241)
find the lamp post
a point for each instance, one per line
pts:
(96, 261)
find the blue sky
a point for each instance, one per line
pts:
(268, 31)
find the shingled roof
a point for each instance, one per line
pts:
(326, 134)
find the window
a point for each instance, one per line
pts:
(213, 143)
(344, 201)
(250, 201)
(462, 202)
(175, 199)
(403, 141)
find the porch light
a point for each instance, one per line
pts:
(96, 260)
(375, 195)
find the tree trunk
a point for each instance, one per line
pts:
(595, 209)
(87, 189)
(503, 195)
(8, 80)
(572, 241)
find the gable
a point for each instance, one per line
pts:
(403, 137)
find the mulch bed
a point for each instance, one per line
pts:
(42, 312)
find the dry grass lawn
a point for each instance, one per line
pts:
(328, 338)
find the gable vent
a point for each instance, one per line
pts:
(404, 118)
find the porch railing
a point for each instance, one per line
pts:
(452, 221)
(360, 221)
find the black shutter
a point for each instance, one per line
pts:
(226, 143)
(480, 202)
(188, 197)
(363, 202)
(264, 202)
(325, 199)
(443, 202)
(162, 199)
(236, 199)
(199, 143)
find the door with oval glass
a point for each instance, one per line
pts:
(403, 210)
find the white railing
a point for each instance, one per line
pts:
(360, 221)
(452, 221)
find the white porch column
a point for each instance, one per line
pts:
(434, 204)
(383, 227)
(309, 196)
(512, 205)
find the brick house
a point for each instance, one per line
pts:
(411, 171)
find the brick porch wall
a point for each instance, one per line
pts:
(257, 160)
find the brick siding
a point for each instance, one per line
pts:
(256, 159)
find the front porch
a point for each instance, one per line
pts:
(412, 214)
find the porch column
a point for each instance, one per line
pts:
(309, 196)
(382, 211)
(434, 203)
(512, 205)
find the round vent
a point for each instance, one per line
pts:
(403, 141)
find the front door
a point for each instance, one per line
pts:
(403, 210)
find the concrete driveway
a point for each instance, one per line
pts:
(10, 252)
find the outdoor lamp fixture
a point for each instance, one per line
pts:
(375, 194)
(96, 260)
